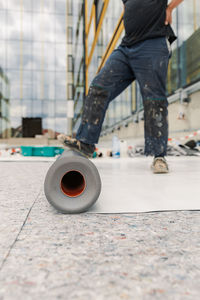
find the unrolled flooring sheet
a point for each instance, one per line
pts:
(128, 185)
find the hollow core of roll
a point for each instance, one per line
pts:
(73, 183)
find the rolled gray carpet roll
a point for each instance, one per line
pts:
(72, 183)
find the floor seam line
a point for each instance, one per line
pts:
(20, 230)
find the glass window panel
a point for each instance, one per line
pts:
(27, 91)
(197, 13)
(60, 92)
(60, 57)
(100, 4)
(49, 58)
(2, 5)
(36, 6)
(36, 85)
(47, 92)
(69, 35)
(111, 113)
(36, 26)
(47, 28)
(61, 125)
(99, 59)
(37, 108)
(2, 25)
(70, 91)
(43, 58)
(61, 108)
(118, 110)
(91, 36)
(3, 60)
(48, 124)
(100, 38)
(27, 26)
(36, 56)
(16, 109)
(77, 124)
(11, 4)
(60, 34)
(5, 86)
(48, 108)
(13, 54)
(48, 6)
(27, 55)
(61, 7)
(70, 63)
(49, 85)
(14, 77)
(70, 7)
(61, 78)
(28, 5)
(186, 21)
(13, 25)
(15, 122)
(3, 108)
(26, 108)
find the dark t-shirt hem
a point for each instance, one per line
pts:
(132, 42)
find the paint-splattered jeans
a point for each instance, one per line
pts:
(147, 62)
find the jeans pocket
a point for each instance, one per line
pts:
(169, 47)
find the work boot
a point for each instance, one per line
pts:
(74, 144)
(159, 165)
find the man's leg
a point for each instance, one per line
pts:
(149, 61)
(114, 77)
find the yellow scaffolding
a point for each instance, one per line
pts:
(113, 41)
(89, 55)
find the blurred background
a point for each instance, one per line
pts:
(51, 50)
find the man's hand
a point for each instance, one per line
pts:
(168, 19)
(173, 4)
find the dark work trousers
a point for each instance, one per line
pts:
(147, 62)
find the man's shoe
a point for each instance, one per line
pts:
(74, 144)
(160, 165)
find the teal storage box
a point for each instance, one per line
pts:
(26, 150)
(37, 151)
(58, 150)
(47, 151)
